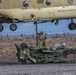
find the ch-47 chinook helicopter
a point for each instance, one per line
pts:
(12, 11)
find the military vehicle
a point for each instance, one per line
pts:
(12, 11)
(29, 55)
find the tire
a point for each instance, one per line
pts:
(13, 27)
(1, 28)
(72, 26)
(62, 55)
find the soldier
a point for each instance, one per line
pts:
(41, 39)
(44, 41)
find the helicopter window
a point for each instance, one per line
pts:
(25, 3)
(0, 1)
(70, 1)
(48, 2)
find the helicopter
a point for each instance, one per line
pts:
(37, 11)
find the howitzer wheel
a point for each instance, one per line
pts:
(60, 58)
(62, 55)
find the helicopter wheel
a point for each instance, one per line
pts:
(72, 26)
(13, 27)
(1, 28)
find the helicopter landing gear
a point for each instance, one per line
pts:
(1, 28)
(13, 27)
(72, 25)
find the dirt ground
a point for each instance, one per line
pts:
(38, 69)
(8, 49)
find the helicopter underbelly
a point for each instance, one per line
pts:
(49, 13)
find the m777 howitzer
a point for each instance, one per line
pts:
(28, 54)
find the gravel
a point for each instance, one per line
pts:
(38, 69)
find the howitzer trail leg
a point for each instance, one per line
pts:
(18, 52)
(32, 59)
(28, 56)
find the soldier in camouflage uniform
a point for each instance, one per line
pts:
(41, 39)
(44, 42)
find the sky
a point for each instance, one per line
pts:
(29, 28)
